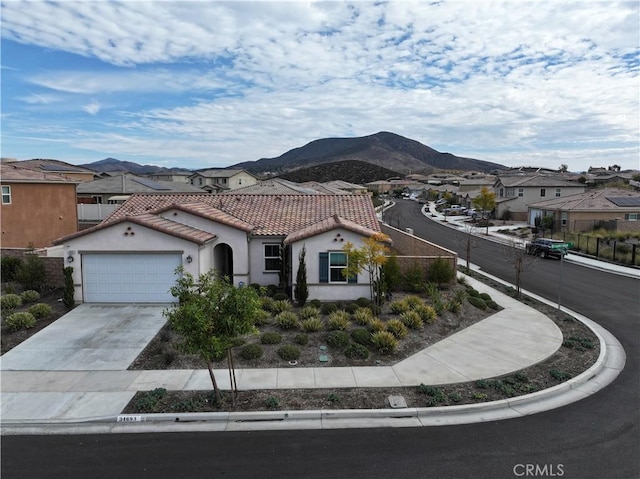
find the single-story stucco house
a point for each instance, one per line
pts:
(131, 257)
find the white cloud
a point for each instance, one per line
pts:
(514, 82)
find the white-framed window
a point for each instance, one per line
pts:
(501, 192)
(272, 257)
(520, 192)
(337, 262)
(563, 218)
(632, 216)
(543, 192)
(558, 192)
(200, 181)
(97, 199)
(6, 195)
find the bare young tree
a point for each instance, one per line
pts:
(469, 241)
(517, 255)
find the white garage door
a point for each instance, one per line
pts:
(129, 277)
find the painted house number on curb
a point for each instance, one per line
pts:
(129, 418)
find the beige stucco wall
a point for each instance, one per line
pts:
(113, 239)
(328, 241)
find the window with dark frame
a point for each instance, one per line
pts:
(272, 257)
(543, 192)
(337, 262)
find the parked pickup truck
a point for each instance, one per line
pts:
(547, 248)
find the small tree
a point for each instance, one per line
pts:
(486, 202)
(469, 240)
(521, 261)
(370, 257)
(31, 273)
(441, 271)
(209, 315)
(301, 291)
(69, 290)
(563, 168)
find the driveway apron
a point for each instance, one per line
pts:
(90, 337)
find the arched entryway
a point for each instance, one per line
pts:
(223, 260)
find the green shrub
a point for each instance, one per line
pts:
(460, 295)
(485, 296)
(356, 351)
(262, 317)
(148, 401)
(363, 316)
(308, 312)
(251, 351)
(377, 324)
(493, 305)
(578, 343)
(270, 338)
(384, 342)
(337, 339)
(316, 303)
(267, 303)
(311, 325)
(301, 339)
(351, 308)
(328, 308)
(10, 267)
(272, 403)
(454, 397)
(18, 321)
(333, 397)
(9, 302)
(280, 296)
(433, 290)
(69, 288)
(363, 302)
(480, 396)
(427, 313)
(454, 306)
(397, 328)
(281, 306)
(339, 320)
(30, 296)
(414, 279)
(40, 310)
(391, 274)
(432, 391)
(441, 271)
(272, 289)
(289, 352)
(398, 307)
(412, 301)
(287, 320)
(439, 306)
(361, 336)
(473, 293)
(555, 374)
(31, 273)
(477, 302)
(412, 319)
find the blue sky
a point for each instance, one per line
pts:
(210, 84)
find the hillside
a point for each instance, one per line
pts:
(113, 164)
(384, 149)
(353, 171)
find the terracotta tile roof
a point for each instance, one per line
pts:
(269, 215)
(328, 224)
(11, 173)
(154, 222)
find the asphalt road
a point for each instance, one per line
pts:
(598, 437)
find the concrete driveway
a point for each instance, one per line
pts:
(90, 337)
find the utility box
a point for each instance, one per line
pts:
(409, 230)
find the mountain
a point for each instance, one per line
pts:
(383, 149)
(353, 171)
(113, 164)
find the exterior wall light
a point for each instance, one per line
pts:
(189, 259)
(69, 259)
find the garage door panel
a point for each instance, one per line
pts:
(129, 277)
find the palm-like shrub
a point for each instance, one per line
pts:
(427, 313)
(281, 305)
(398, 306)
(412, 319)
(311, 325)
(377, 324)
(267, 303)
(384, 342)
(397, 328)
(339, 320)
(9, 302)
(308, 312)
(363, 316)
(287, 320)
(412, 301)
(262, 317)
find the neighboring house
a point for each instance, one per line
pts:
(37, 207)
(58, 167)
(133, 254)
(586, 211)
(275, 186)
(178, 177)
(98, 199)
(222, 179)
(515, 193)
(346, 186)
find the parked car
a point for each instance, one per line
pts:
(454, 210)
(470, 212)
(547, 248)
